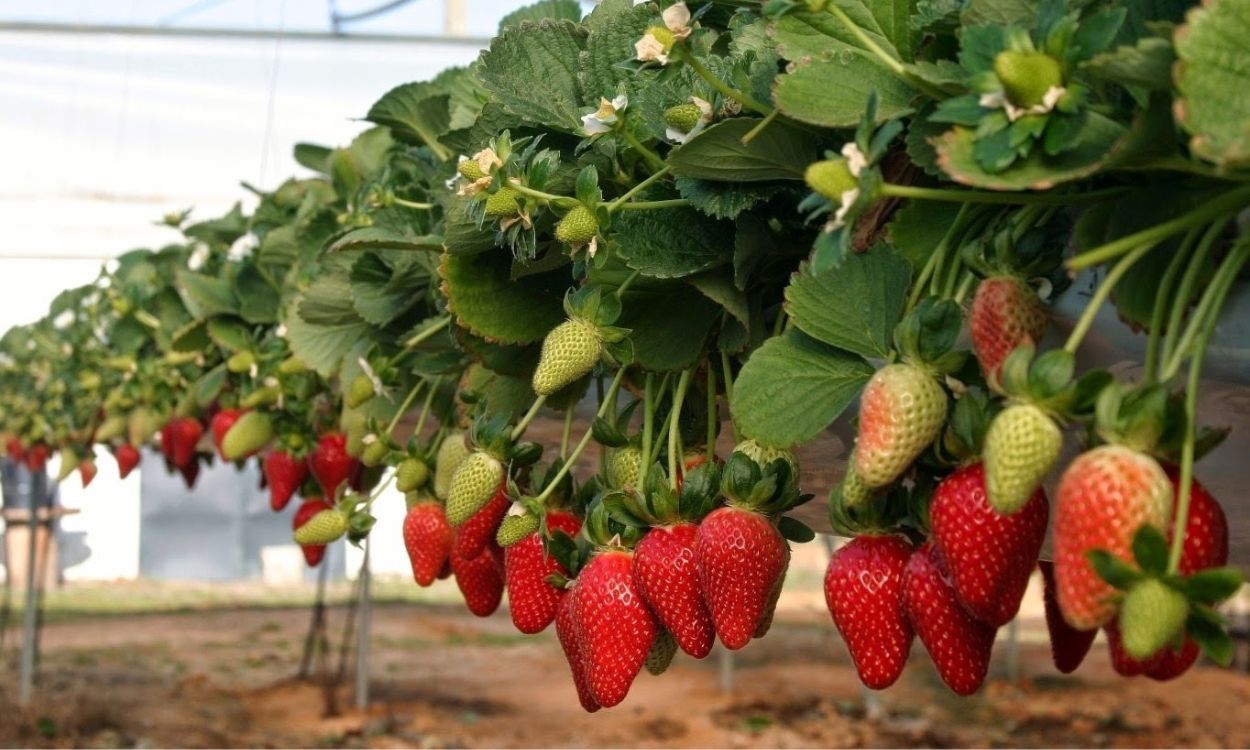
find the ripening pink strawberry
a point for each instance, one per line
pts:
(901, 412)
(1006, 313)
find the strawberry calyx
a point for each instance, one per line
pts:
(657, 503)
(926, 336)
(770, 490)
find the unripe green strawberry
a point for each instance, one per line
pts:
(292, 366)
(470, 170)
(375, 451)
(247, 436)
(1027, 76)
(624, 467)
(570, 352)
(472, 486)
(683, 117)
(830, 178)
(360, 391)
(323, 528)
(662, 35)
(112, 427)
(1021, 445)
(411, 474)
(141, 425)
(355, 428)
(503, 203)
(261, 397)
(854, 492)
(578, 227)
(663, 649)
(766, 454)
(1151, 616)
(515, 528)
(451, 453)
(901, 412)
(240, 362)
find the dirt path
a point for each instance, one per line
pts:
(445, 679)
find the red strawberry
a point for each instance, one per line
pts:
(15, 450)
(428, 538)
(1206, 546)
(1068, 646)
(330, 463)
(446, 572)
(87, 470)
(959, 644)
(179, 439)
(480, 579)
(220, 424)
(668, 579)
(473, 535)
(37, 457)
(614, 625)
(532, 601)
(990, 555)
(284, 473)
(770, 609)
(309, 508)
(1006, 312)
(570, 641)
(1105, 496)
(864, 593)
(128, 458)
(740, 556)
(190, 474)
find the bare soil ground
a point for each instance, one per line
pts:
(442, 678)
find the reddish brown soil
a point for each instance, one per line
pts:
(442, 678)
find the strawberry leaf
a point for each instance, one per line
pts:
(878, 279)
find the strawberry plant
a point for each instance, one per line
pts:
(678, 212)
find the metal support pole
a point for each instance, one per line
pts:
(30, 616)
(726, 664)
(1013, 650)
(316, 629)
(362, 635)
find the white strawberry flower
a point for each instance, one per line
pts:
(378, 387)
(677, 20)
(999, 100)
(655, 45)
(604, 119)
(856, 161)
(839, 217)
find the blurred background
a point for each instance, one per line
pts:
(178, 618)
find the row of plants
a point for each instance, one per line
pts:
(722, 223)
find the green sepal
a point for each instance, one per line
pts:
(1112, 569)
(1213, 585)
(795, 530)
(587, 187)
(525, 453)
(1210, 636)
(1150, 550)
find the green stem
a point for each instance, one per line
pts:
(952, 277)
(1185, 293)
(519, 430)
(653, 205)
(1181, 164)
(1226, 204)
(936, 257)
(891, 190)
(780, 321)
(417, 339)
(566, 432)
(1100, 295)
(559, 200)
(636, 189)
(1162, 298)
(727, 377)
(651, 157)
(425, 408)
(648, 417)
(1240, 254)
(674, 428)
(620, 290)
(965, 286)
(1209, 306)
(403, 407)
(713, 413)
(754, 132)
(724, 89)
(581, 444)
(412, 204)
(896, 67)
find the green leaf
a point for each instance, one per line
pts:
(805, 93)
(229, 334)
(1148, 65)
(1096, 146)
(504, 395)
(1000, 12)
(1150, 549)
(723, 200)
(918, 228)
(258, 299)
(490, 302)
(669, 325)
(1112, 569)
(1212, 77)
(718, 286)
(672, 242)
(382, 292)
(328, 302)
(415, 112)
(779, 152)
(793, 387)
(532, 69)
(569, 10)
(311, 156)
(206, 296)
(209, 385)
(820, 36)
(615, 29)
(856, 307)
(322, 347)
(462, 235)
(1214, 585)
